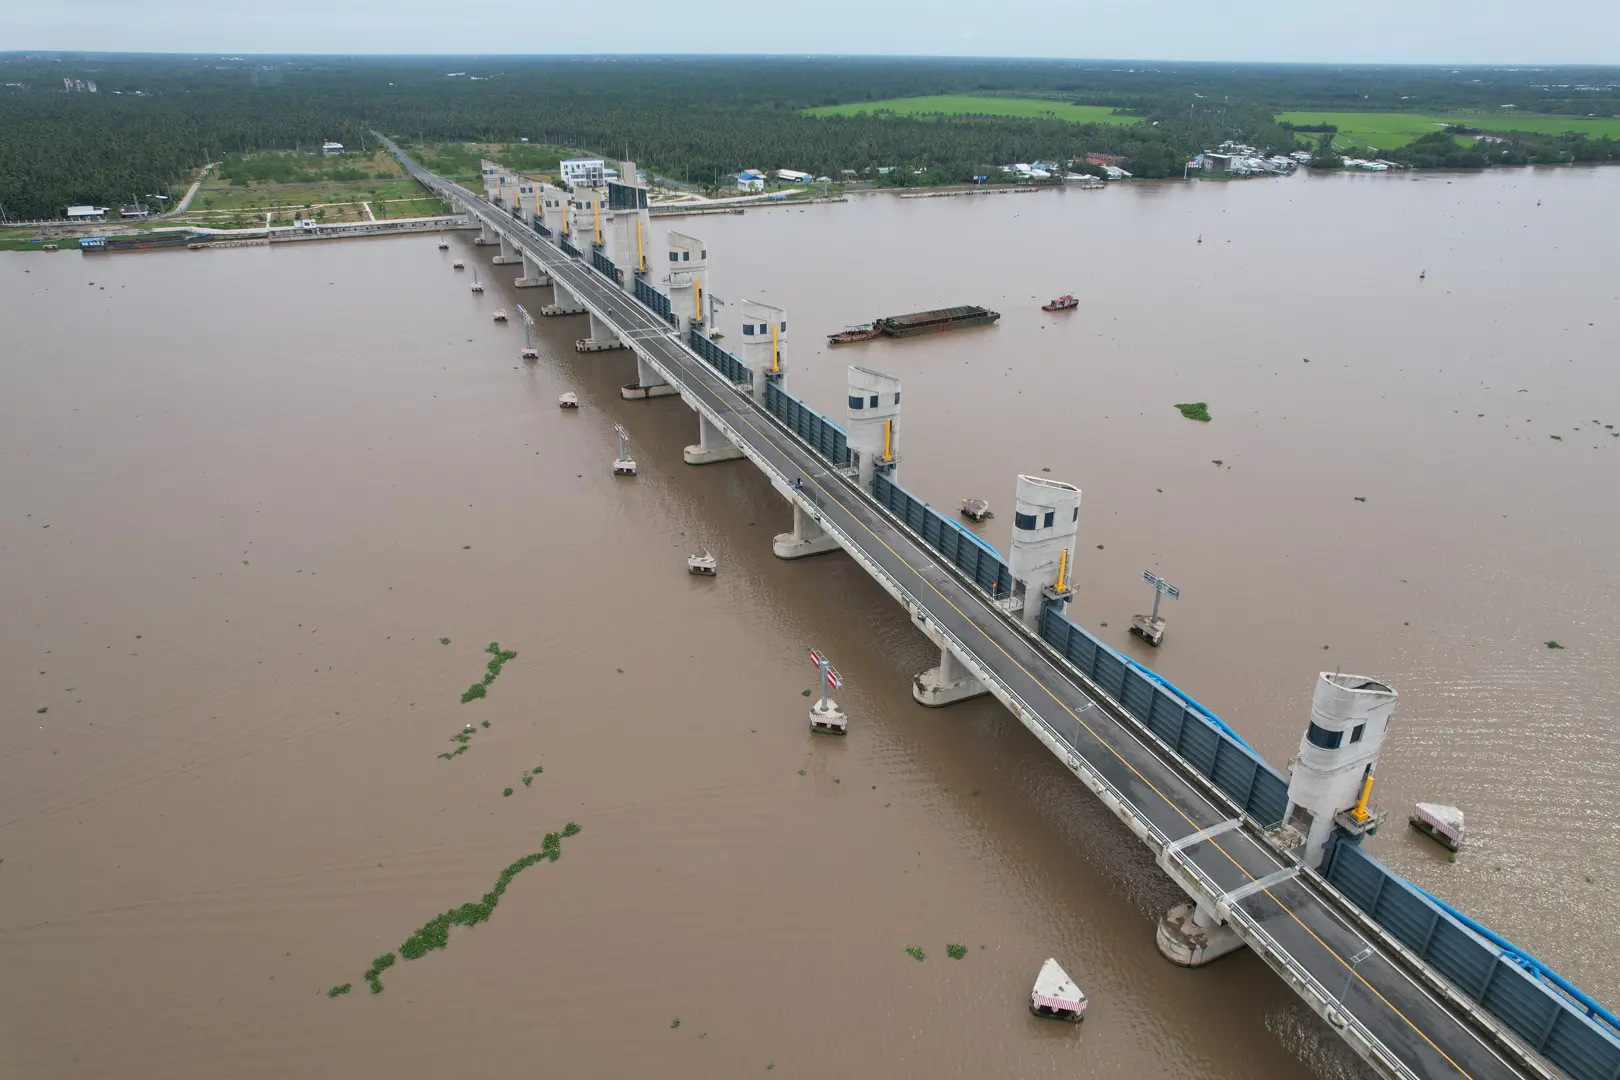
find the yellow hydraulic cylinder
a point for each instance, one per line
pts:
(1359, 813)
(1063, 570)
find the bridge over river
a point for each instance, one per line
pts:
(1268, 861)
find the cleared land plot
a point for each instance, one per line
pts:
(967, 105)
(269, 196)
(1387, 131)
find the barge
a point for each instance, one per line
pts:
(918, 322)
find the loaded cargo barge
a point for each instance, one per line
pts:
(918, 322)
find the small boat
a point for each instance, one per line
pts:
(1055, 996)
(858, 332)
(476, 286)
(569, 400)
(976, 509)
(1062, 303)
(702, 564)
(458, 265)
(499, 314)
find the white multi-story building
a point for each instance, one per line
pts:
(584, 172)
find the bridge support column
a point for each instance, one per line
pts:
(1190, 936)
(712, 446)
(648, 384)
(565, 302)
(508, 255)
(807, 537)
(946, 684)
(486, 236)
(533, 275)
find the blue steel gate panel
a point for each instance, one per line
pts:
(824, 437)
(605, 265)
(656, 301)
(1245, 777)
(961, 548)
(540, 226)
(1550, 1022)
(722, 361)
(568, 249)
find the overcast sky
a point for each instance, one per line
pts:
(1342, 31)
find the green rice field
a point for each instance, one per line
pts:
(970, 105)
(1388, 131)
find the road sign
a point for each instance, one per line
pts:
(834, 679)
(1163, 586)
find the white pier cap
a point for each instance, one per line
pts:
(873, 426)
(1046, 519)
(764, 340)
(1337, 755)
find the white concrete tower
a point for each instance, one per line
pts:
(492, 172)
(586, 207)
(528, 199)
(1332, 777)
(688, 265)
(874, 421)
(764, 340)
(553, 208)
(631, 227)
(1046, 518)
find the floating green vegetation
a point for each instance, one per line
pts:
(956, 952)
(457, 752)
(528, 780)
(1195, 410)
(1560, 438)
(43, 709)
(801, 772)
(506, 792)
(444, 641)
(1217, 461)
(916, 953)
(378, 966)
(1554, 645)
(501, 656)
(485, 724)
(538, 769)
(435, 933)
(802, 693)
(339, 991)
(675, 1023)
(1361, 498)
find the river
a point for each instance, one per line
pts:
(248, 492)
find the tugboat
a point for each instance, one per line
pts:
(569, 400)
(1062, 303)
(858, 332)
(477, 286)
(700, 565)
(499, 314)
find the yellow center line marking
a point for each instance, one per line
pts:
(1059, 702)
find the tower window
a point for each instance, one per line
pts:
(1048, 521)
(1024, 521)
(748, 328)
(1357, 732)
(872, 401)
(1321, 736)
(857, 403)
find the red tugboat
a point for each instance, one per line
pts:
(1062, 303)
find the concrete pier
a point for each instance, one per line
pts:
(509, 255)
(829, 719)
(946, 684)
(712, 446)
(565, 302)
(487, 236)
(533, 274)
(648, 384)
(807, 538)
(1189, 938)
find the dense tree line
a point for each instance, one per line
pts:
(698, 119)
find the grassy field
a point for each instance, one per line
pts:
(1387, 131)
(219, 198)
(967, 105)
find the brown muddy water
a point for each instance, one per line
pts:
(248, 491)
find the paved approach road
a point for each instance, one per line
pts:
(1428, 1037)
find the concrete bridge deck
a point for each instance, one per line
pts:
(1403, 1023)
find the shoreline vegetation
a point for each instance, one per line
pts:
(904, 122)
